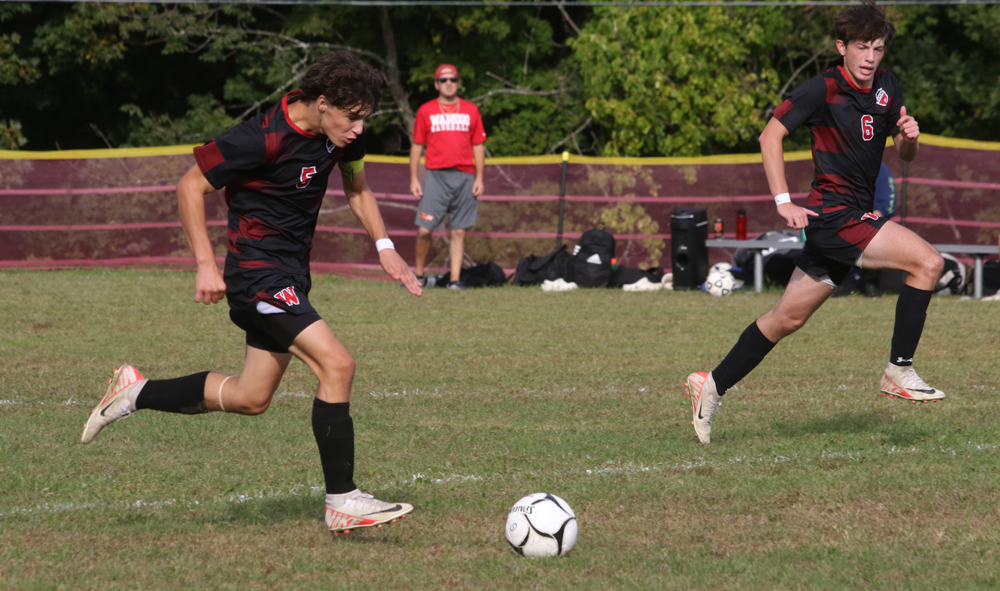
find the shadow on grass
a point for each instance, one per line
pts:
(271, 511)
(310, 510)
(893, 433)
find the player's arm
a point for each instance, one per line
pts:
(906, 140)
(773, 155)
(479, 158)
(362, 202)
(416, 150)
(191, 191)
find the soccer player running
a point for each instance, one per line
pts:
(275, 169)
(453, 132)
(850, 110)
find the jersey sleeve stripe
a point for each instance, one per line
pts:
(783, 108)
(208, 156)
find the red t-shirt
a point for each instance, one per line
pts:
(449, 135)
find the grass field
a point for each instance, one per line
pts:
(465, 402)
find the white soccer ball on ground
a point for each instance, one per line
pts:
(721, 283)
(541, 525)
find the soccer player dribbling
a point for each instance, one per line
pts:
(275, 169)
(850, 111)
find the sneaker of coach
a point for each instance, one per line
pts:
(457, 285)
(705, 400)
(117, 402)
(902, 381)
(363, 510)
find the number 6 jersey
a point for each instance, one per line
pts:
(849, 127)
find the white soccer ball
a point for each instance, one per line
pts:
(721, 283)
(541, 525)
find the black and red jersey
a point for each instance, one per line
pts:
(275, 176)
(849, 127)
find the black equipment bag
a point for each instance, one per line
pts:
(623, 276)
(991, 277)
(484, 275)
(593, 253)
(532, 270)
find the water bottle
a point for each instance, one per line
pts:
(741, 224)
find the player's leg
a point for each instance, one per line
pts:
(896, 247)
(463, 213)
(430, 214)
(802, 297)
(347, 508)
(456, 251)
(249, 393)
(424, 238)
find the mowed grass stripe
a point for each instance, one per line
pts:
(464, 403)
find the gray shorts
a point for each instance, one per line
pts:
(447, 191)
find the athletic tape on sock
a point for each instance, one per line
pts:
(220, 392)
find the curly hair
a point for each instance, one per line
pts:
(345, 81)
(866, 22)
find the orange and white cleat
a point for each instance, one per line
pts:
(700, 386)
(116, 403)
(363, 510)
(903, 382)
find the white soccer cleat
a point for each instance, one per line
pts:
(362, 510)
(903, 382)
(115, 404)
(705, 401)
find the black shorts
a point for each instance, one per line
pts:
(247, 290)
(835, 240)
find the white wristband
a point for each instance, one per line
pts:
(383, 243)
(783, 198)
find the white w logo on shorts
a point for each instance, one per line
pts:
(288, 296)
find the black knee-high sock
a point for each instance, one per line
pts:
(749, 351)
(184, 395)
(334, 431)
(911, 312)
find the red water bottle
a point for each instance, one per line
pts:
(741, 224)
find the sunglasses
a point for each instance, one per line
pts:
(443, 80)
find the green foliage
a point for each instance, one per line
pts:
(636, 81)
(948, 59)
(670, 82)
(205, 120)
(11, 137)
(14, 68)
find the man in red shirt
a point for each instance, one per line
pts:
(453, 132)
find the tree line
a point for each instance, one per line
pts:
(605, 80)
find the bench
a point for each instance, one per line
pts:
(759, 246)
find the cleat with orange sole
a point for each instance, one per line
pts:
(362, 510)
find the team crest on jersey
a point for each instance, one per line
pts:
(881, 98)
(289, 296)
(305, 176)
(869, 216)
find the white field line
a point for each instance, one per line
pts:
(609, 468)
(69, 402)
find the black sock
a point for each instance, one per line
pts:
(749, 351)
(184, 395)
(334, 431)
(911, 311)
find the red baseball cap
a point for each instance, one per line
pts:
(442, 69)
